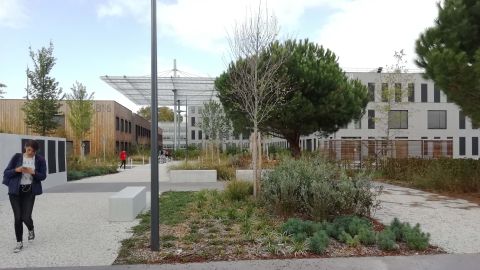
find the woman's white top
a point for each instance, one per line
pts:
(30, 163)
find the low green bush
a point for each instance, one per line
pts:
(415, 238)
(367, 236)
(89, 172)
(319, 242)
(314, 187)
(386, 240)
(238, 190)
(443, 174)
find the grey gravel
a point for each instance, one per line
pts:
(454, 224)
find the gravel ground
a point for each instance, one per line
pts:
(454, 224)
(71, 230)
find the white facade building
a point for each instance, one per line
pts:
(422, 116)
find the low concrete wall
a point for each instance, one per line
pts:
(193, 176)
(247, 175)
(126, 204)
(56, 167)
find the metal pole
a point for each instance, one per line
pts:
(154, 239)
(175, 119)
(186, 129)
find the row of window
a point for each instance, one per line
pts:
(192, 109)
(398, 119)
(119, 146)
(462, 146)
(141, 131)
(123, 125)
(398, 93)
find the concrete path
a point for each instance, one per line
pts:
(71, 221)
(435, 262)
(454, 224)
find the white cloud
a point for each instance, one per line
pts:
(12, 13)
(366, 33)
(205, 24)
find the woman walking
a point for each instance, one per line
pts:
(22, 176)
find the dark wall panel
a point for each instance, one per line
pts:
(52, 157)
(61, 156)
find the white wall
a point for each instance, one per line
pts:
(12, 143)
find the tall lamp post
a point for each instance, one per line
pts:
(154, 234)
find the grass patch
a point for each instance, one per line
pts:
(209, 226)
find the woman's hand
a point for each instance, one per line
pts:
(19, 169)
(28, 170)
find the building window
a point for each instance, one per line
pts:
(130, 127)
(436, 94)
(411, 92)
(122, 125)
(193, 134)
(462, 146)
(385, 94)
(424, 92)
(437, 119)
(358, 124)
(117, 123)
(461, 120)
(192, 122)
(398, 119)
(371, 91)
(200, 110)
(371, 119)
(200, 134)
(474, 146)
(192, 109)
(398, 92)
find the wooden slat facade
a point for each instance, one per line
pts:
(103, 134)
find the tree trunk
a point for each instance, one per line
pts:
(259, 169)
(254, 160)
(294, 142)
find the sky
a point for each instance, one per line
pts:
(93, 38)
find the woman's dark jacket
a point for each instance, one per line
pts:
(11, 178)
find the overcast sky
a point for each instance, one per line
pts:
(112, 37)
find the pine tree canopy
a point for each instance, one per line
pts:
(450, 53)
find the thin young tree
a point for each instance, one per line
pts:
(80, 105)
(214, 124)
(253, 85)
(43, 93)
(396, 84)
(2, 92)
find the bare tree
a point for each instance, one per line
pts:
(215, 124)
(396, 90)
(1, 90)
(252, 75)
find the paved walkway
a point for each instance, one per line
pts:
(71, 221)
(73, 230)
(435, 262)
(454, 224)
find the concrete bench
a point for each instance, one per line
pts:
(193, 176)
(126, 204)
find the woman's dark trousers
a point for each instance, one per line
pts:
(22, 206)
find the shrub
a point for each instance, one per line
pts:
(443, 174)
(238, 190)
(318, 189)
(397, 228)
(366, 236)
(386, 240)
(415, 238)
(319, 242)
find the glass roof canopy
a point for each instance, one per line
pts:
(191, 91)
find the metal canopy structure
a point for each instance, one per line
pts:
(171, 90)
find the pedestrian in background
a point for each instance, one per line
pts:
(23, 177)
(123, 158)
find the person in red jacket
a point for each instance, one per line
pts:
(123, 158)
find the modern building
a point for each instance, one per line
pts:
(114, 127)
(419, 121)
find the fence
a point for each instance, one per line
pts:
(361, 153)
